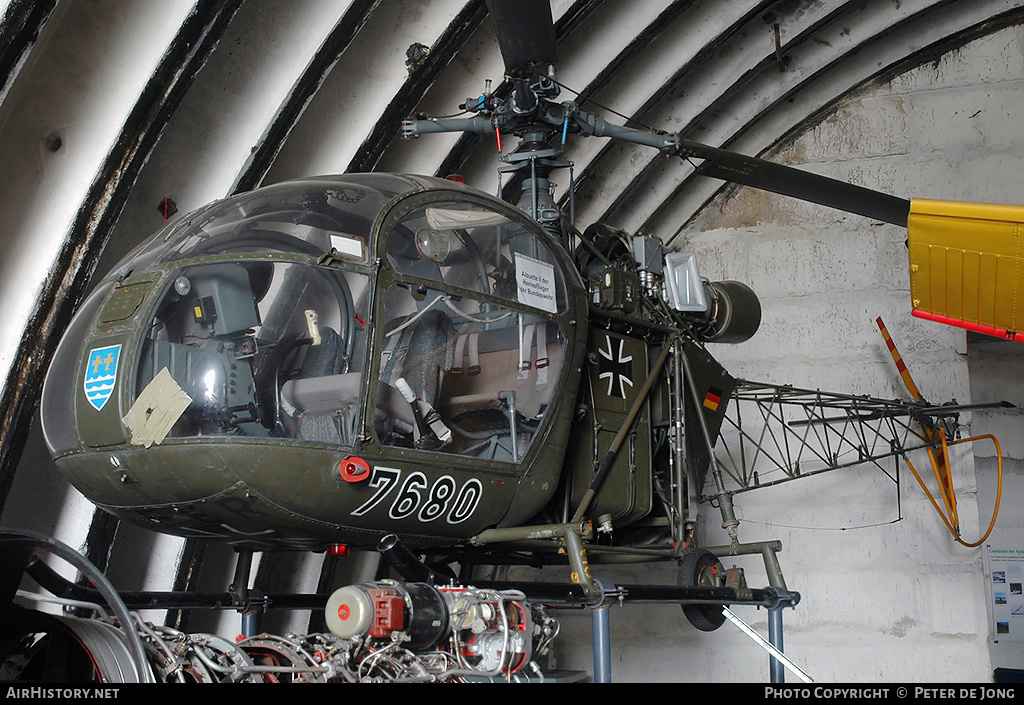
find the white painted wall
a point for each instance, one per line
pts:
(882, 600)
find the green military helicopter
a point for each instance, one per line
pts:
(328, 363)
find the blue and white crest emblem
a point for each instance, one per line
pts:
(101, 375)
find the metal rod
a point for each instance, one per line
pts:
(776, 669)
(685, 501)
(772, 567)
(239, 587)
(533, 189)
(602, 645)
(572, 195)
(577, 556)
(569, 595)
(770, 648)
(527, 533)
(729, 520)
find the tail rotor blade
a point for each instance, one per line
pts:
(939, 455)
(901, 366)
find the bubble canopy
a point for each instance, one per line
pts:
(281, 313)
(297, 217)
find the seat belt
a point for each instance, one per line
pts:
(473, 340)
(534, 332)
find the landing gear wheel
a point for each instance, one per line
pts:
(698, 568)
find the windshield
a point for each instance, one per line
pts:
(470, 246)
(257, 348)
(307, 217)
(471, 352)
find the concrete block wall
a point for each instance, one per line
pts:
(887, 594)
(997, 372)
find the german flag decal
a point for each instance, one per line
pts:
(713, 399)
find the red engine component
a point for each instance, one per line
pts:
(388, 613)
(377, 610)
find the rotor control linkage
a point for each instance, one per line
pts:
(561, 117)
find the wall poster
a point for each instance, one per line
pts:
(1005, 569)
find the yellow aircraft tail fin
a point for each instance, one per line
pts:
(967, 265)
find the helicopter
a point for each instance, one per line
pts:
(322, 361)
(335, 361)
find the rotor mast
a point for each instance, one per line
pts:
(531, 113)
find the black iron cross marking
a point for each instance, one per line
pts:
(615, 367)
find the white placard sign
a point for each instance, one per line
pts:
(347, 246)
(1005, 568)
(535, 283)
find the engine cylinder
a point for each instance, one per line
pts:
(377, 610)
(735, 315)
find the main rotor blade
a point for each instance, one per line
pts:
(526, 33)
(788, 181)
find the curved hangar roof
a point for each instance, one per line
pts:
(117, 113)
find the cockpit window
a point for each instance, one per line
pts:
(467, 245)
(292, 219)
(464, 377)
(309, 217)
(261, 349)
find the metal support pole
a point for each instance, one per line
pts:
(239, 590)
(250, 623)
(776, 668)
(774, 646)
(602, 644)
